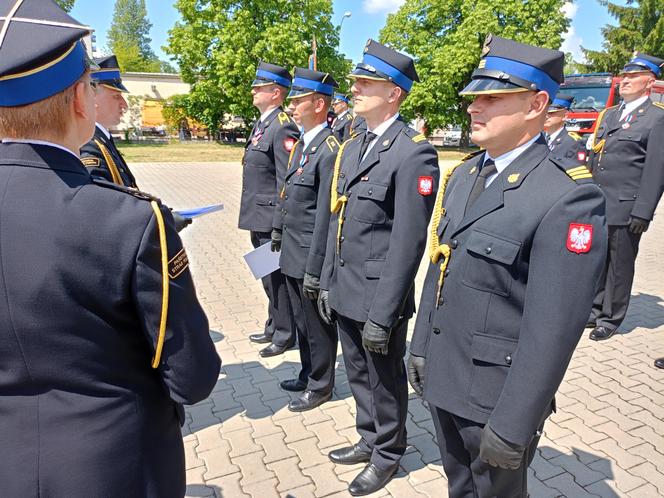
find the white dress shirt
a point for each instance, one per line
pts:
(104, 130)
(504, 160)
(632, 106)
(311, 134)
(380, 131)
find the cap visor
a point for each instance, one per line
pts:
(114, 86)
(635, 68)
(485, 86)
(363, 73)
(295, 94)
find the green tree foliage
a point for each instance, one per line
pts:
(446, 37)
(66, 4)
(572, 66)
(640, 27)
(129, 40)
(218, 44)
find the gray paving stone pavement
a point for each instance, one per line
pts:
(607, 438)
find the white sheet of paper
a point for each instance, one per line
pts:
(262, 261)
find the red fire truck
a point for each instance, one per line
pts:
(592, 94)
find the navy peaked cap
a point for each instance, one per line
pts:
(108, 73)
(509, 66)
(383, 63)
(268, 74)
(308, 81)
(41, 52)
(644, 62)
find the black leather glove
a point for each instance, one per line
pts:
(638, 225)
(497, 452)
(324, 309)
(416, 373)
(375, 338)
(180, 221)
(276, 240)
(310, 286)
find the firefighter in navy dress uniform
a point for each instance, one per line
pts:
(561, 141)
(102, 338)
(382, 197)
(518, 242)
(263, 170)
(344, 118)
(305, 210)
(627, 162)
(100, 155)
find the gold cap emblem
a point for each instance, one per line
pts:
(513, 178)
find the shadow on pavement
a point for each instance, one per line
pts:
(570, 475)
(645, 311)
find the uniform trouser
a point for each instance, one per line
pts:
(468, 476)
(280, 326)
(615, 285)
(317, 340)
(378, 384)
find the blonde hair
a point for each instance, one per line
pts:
(50, 116)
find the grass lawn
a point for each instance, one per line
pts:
(195, 152)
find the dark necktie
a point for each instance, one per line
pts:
(487, 170)
(368, 138)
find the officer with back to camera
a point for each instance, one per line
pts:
(102, 337)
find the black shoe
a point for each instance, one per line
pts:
(293, 385)
(371, 479)
(308, 400)
(259, 338)
(601, 333)
(273, 350)
(350, 455)
(659, 362)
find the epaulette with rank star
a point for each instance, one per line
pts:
(139, 194)
(574, 135)
(332, 143)
(577, 172)
(284, 118)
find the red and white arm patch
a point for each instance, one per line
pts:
(579, 238)
(581, 156)
(289, 143)
(425, 185)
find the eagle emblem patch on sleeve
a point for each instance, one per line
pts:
(425, 185)
(579, 238)
(289, 143)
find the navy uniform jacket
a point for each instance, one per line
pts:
(357, 126)
(263, 171)
(569, 145)
(305, 205)
(627, 161)
(341, 126)
(517, 290)
(82, 411)
(370, 264)
(103, 160)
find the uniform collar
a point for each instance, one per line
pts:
(632, 106)
(104, 131)
(267, 114)
(504, 160)
(311, 134)
(382, 128)
(555, 134)
(342, 114)
(37, 142)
